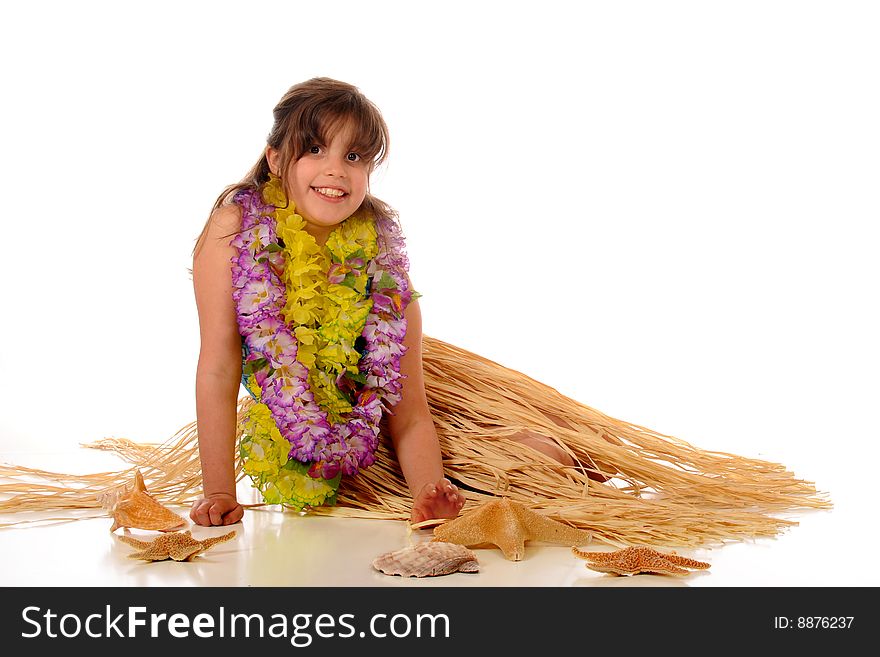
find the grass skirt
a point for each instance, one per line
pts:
(658, 490)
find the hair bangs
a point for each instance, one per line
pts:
(369, 137)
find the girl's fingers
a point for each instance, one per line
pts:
(233, 516)
(197, 512)
(216, 515)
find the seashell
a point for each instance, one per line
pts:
(428, 560)
(139, 510)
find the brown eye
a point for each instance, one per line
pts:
(353, 157)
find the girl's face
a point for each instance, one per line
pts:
(327, 184)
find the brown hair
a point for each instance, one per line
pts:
(308, 114)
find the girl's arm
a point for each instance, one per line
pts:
(414, 436)
(218, 374)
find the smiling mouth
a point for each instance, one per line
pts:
(330, 192)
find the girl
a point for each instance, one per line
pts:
(326, 140)
(303, 296)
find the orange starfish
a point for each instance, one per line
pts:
(508, 525)
(180, 546)
(635, 560)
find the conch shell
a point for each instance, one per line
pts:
(428, 560)
(139, 510)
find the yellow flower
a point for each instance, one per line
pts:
(307, 345)
(264, 450)
(327, 395)
(357, 233)
(300, 312)
(300, 490)
(332, 357)
(286, 213)
(253, 387)
(273, 192)
(326, 318)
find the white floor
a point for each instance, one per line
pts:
(274, 548)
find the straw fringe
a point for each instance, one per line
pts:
(660, 490)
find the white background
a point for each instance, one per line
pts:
(666, 210)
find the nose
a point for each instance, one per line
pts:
(334, 165)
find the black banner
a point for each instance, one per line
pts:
(408, 619)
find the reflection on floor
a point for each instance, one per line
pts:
(276, 548)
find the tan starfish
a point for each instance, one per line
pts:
(507, 525)
(180, 546)
(635, 560)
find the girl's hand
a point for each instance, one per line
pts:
(216, 509)
(440, 500)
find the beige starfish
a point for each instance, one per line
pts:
(508, 525)
(635, 560)
(180, 546)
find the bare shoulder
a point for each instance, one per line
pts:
(226, 218)
(223, 223)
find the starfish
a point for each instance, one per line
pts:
(635, 560)
(507, 525)
(180, 546)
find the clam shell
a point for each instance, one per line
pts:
(137, 509)
(428, 560)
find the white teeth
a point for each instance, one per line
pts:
(329, 191)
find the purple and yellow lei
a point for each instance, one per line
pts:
(322, 336)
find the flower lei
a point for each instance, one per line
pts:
(322, 337)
